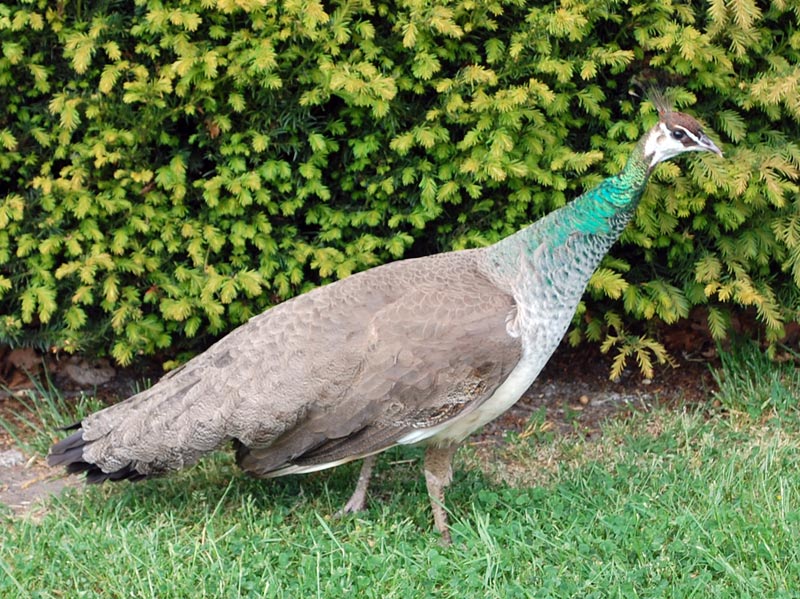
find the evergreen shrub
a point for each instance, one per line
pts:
(171, 168)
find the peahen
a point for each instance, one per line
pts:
(420, 351)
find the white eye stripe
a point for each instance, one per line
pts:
(691, 135)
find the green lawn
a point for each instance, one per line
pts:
(694, 502)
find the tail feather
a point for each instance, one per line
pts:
(69, 453)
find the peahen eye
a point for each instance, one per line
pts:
(678, 134)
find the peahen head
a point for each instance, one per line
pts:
(674, 134)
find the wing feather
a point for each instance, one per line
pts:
(428, 358)
(336, 373)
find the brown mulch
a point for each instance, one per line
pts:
(575, 394)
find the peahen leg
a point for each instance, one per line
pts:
(359, 497)
(438, 474)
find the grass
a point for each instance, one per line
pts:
(750, 382)
(40, 412)
(670, 503)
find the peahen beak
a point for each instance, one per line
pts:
(705, 143)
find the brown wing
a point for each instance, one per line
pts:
(429, 357)
(345, 368)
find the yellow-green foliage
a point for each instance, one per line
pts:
(170, 168)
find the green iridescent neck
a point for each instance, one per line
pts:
(602, 212)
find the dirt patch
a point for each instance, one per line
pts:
(26, 480)
(573, 394)
(25, 483)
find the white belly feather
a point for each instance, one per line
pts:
(505, 396)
